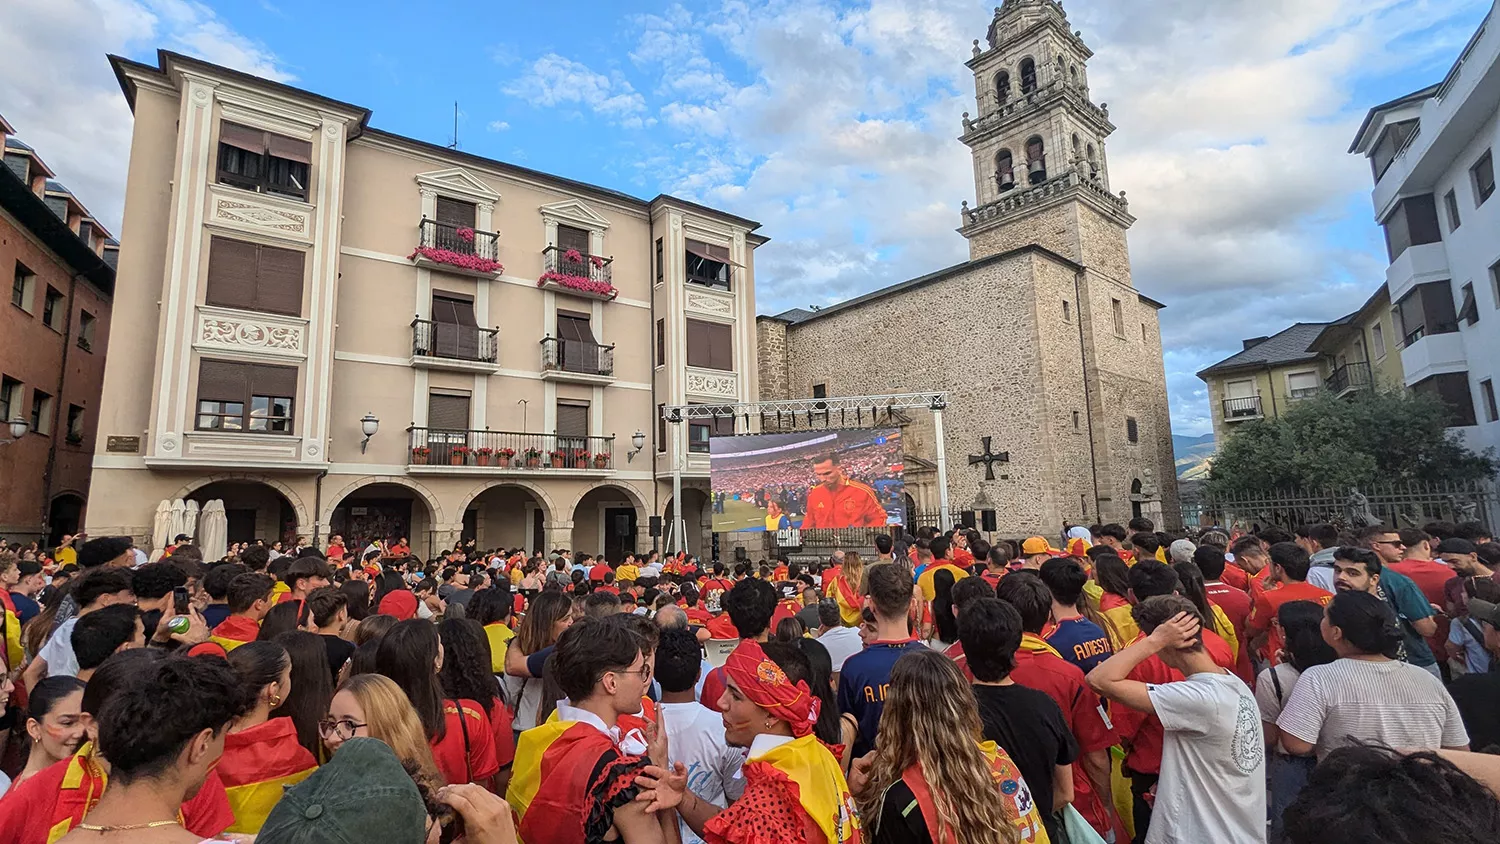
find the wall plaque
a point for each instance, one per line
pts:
(123, 445)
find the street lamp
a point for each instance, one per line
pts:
(368, 424)
(638, 442)
(18, 429)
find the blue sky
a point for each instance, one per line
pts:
(832, 123)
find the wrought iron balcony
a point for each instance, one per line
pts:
(450, 341)
(1242, 408)
(440, 450)
(572, 271)
(577, 360)
(458, 249)
(1350, 377)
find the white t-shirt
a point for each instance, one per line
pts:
(842, 643)
(1213, 759)
(58, 652)
(1387, 701)
(695, 737)
(1265, 690)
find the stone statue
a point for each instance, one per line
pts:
(1357, 507)
(1465, 512)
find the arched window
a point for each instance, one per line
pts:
(1093, 159)
(1028, 76)
(1074, 71)
(1036, 160)
(1005, 171)
(1002, 86)
(1077, 147)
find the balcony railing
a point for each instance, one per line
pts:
(1242, 408)
(509, 450)
(1350, 376)
(577, 356)
(457, 342)
(461, 239)
(579, 272)
(1303, 393)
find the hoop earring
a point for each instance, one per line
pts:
(275, 701)
(769, 722)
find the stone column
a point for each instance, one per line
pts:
(559, 534)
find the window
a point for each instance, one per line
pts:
(1453, 389)
(250, 277)
(1005, 170)
(1484, 178)
(455, 212)
(1028, 76)
(1302, 385)
(1377, 341)
(1132, 430)
(10, 399)
(1067, 311)
(263, 161)
(20, 165)
(1077, 419)
(1036, 160)
(1118, 309)
(1469, 310)
(86, 323)
(569, 237)
(660, 269)
(1487, 389)
(23, 287)
(661, 342)
(1495, 283)
(1144, 336)
(573, 423)
(254, 397)
(54, 312)
(1450, 201)
(700, 431)
(1413, 223)
(58, 205)
(1002, 86)
(661, 425)
(75, 424)
(1426, 309)
(820, 391)
(41, 412)
(707, 264)
(709, 345)
(1391, 141)
(448, 411)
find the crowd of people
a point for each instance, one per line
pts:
(1128, 686)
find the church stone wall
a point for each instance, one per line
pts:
(770, 341)
(1102, 245)
(1070, 492)
(1054, 228)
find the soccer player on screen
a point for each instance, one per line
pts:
(839, 502)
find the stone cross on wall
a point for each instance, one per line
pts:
(989, 459)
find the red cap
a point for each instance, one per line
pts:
(208, 649)
(400, 603)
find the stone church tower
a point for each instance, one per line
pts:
(1041, 338)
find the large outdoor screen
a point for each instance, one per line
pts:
(807, 480)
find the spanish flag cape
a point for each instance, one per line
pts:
(257, 763)
(804, 772)
(234, 631)
(14, 653)
(1016, 799)
(567, 782)
(850, 604)
(499, 636)
(45, 807)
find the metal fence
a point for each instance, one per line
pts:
(1404, 505)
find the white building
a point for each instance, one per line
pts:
(1432, 155)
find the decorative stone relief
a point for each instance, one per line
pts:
(718, 384)
(245, 214)
(236, 331)
(710, 304)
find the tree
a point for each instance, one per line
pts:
(1328, 442)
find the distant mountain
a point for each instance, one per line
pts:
(1192, 455)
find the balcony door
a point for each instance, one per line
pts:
(455, 331)
(572, 425)
(577, 351)
(1239, 399)
(447, 423)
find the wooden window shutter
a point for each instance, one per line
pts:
(232, 269)
(454, 309)
(455, 212)
(569, 237)
(572, 420)
(571, 327)
(697, 343)
(273, 381)
(290, 149)
(720, 346)
(661, 342)
(448, 412)
(243, 137)
(278, 288)
(223, 380)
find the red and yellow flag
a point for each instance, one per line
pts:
(257, 763)
(234, 631)
(14, 653)
(821, 787)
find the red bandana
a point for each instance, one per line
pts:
(767, 686)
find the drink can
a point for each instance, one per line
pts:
(179, 624)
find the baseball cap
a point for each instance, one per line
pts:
(1455, 545)
(1181, 551)
(1483, 610)
(1037, 545)
(399, 603)
(363, 794)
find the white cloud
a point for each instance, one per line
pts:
(498, 126)
(57, 89)
(553, 80)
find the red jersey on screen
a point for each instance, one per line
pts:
(853, 505)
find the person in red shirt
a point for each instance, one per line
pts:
(1234, 602)
(1289, 565)
(835, 567)
(598, 570)
(336, 547)
(749, 607)
(838, 502)
(997, 564)
(1114, 536)
(1250, 563)
(695, 614)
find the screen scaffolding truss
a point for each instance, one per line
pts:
(754, 416)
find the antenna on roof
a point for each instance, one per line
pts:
(454, 145)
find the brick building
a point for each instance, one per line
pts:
(60, 262)
(1040, 338)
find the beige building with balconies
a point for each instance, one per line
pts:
(294, 278)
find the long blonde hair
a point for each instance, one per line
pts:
(392, 719)
(931, 718)
(853, 569)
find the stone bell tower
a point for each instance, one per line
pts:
(1037, 139)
